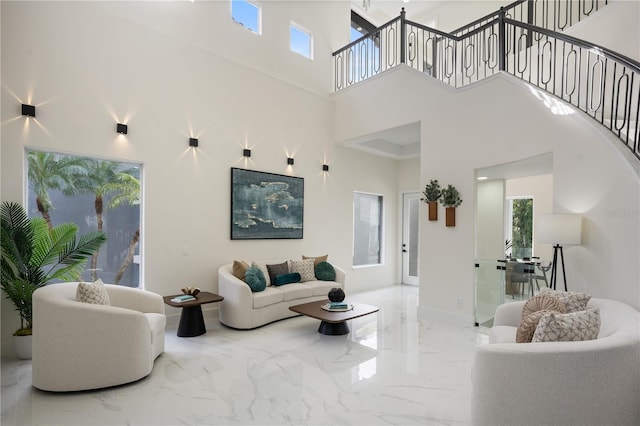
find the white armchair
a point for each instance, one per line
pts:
(79, 346)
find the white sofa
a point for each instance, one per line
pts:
(243, 309)
(594, 382)
(79, 346)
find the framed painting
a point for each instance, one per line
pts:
(266, 205)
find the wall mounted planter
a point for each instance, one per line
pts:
(450, 218)
(433, 210)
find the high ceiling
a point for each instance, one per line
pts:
(380, 11)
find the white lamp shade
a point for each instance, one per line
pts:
(563, 229)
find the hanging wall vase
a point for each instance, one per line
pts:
(450, 219)
(433, 210)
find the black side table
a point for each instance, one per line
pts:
(191, 319)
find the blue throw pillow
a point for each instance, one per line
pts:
(325, 272)
(282, 279)
(255, 279)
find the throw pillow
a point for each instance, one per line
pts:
(95, 293)
(240, 269)
(263, 268)
(282, 279)
(316, 259)
(325, 272)
(528, 325)
(543, 302)
(305, 268)
(255, 279)
(279, 269)
(571, 327)
(573, 301)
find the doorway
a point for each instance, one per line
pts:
(410, 238)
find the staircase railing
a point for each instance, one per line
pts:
(602, 83)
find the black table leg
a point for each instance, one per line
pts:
(333, 328)
(191, 322)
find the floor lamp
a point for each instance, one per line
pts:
(559, 230)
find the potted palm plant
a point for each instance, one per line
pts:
(431, 194)
(450, 199)
(32, 256)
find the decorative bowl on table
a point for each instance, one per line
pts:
(193, 291)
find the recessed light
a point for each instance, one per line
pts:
(482, 178)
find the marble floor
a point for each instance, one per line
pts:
(392, 368)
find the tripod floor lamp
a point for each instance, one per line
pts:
(559, 230)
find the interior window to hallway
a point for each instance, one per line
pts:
(95, 194)
(367, 229)
(519, 230)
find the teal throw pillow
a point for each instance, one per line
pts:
(255, 279)
(282, 279)
(325, 272)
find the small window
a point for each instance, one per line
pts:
(301, 41)
(246, 14)
(367, 229)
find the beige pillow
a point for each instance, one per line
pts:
(543, 302)
(265, 271)
(317, 259)
(240, 269)
(571, 327)
(573, 301)
(528, 325)
(305, 268)
(94, 293)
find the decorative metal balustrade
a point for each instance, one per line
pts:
(602, 83)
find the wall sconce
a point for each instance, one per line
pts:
(193, 142)
(121, 128)
(325, 167)
(28, 110)
(290, 161)
(246, 152)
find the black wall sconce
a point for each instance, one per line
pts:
(290, 161)
(325, 167)
(28, 110)
(246, 152)
(122, 128)
(193, 142)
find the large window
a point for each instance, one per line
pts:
(246, 14)
(520, 227)
(95, 194)
(367, 229)
(301, 41)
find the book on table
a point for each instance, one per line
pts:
(183, 298)
(338, 305)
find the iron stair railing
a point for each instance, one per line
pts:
(602, 83)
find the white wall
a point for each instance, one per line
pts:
(160, 68)
(495, 122)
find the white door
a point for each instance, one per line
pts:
(410, 237)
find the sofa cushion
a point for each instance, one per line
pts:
(316, 259)
(263, 267)
(571, 327)
(306, 269)
(240, 269)
(503, 334)
(255, 279)
(325, 272)
(95, 293)
(277, 269)
(269, 296)
(321, 288)
(543, 302)
(290, 278)
(297, 291)
(573, 301)
(528, 325)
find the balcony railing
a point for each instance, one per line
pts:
(602, 83)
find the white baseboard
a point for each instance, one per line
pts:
(430, 314)
(173, 319)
